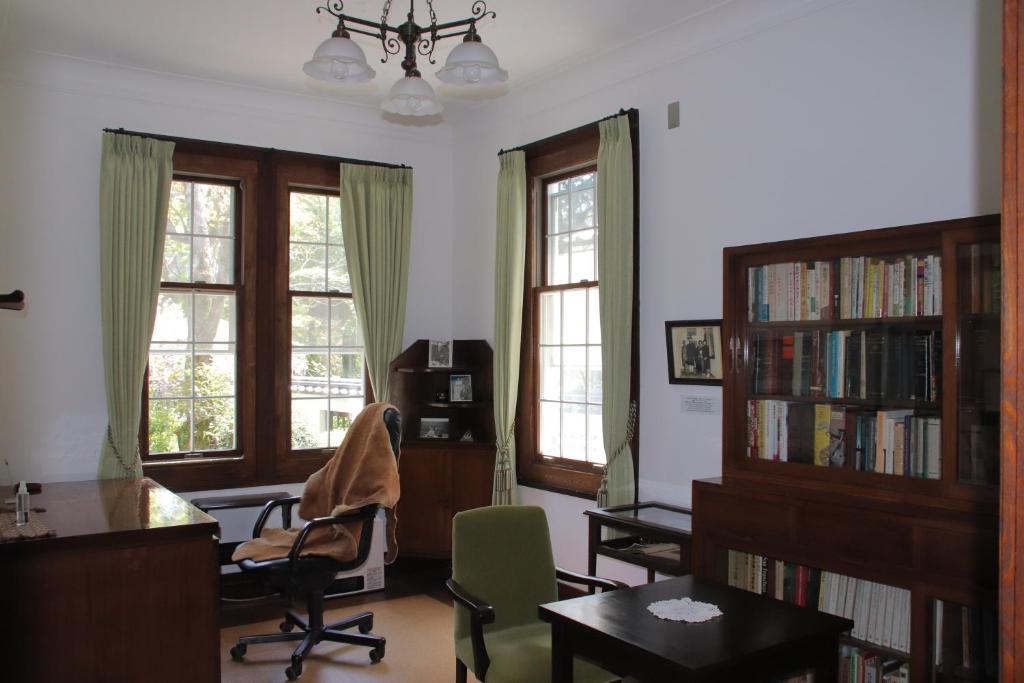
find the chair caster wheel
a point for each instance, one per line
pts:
(377, 654)
(293, 671)
(366, 627)
(286, 626)
(238, 651)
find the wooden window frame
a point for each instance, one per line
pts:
(560, 156)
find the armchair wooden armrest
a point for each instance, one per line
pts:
(593, 581)
(286, 513)
(480, 614)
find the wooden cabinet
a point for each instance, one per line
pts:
(443, 474)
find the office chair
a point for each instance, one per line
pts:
(308, 576)
(502, 569)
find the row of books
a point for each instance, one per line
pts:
(966, 637)
(902, 364)
(897, 442)
(880, 613)
(847, 288)
(857, 665)
(984, 287)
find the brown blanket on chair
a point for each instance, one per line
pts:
(362, 471)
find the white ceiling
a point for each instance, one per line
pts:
(264, 43)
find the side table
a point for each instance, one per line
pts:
(657, 536)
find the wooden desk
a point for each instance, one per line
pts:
(126, 591)
(756, 638)
(647, 522)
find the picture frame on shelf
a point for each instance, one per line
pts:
(439, 353)
(694, 351)
(434, 428)
(460, 388)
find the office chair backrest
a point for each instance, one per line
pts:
(393, 421)
(502, 555)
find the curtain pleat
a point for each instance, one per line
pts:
(377, 223)
(135, 183)
(615, 273)
(509, 262)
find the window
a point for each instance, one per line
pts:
(560, 444)
(256, 363)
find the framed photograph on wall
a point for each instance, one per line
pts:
(694, 351)
(461, 388)
(439, 354)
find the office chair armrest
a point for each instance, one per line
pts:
(364, 513)
(480, 614)
(286, 513)
(593, 581)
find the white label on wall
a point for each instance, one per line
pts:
(702, 405)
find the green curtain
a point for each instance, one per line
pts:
(135, 185)
(509, 262)
(615, 273)
(376, 205)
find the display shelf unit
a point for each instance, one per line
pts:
(441, 477)
(861, 420)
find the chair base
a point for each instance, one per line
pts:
(314, 631)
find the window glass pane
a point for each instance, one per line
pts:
(177, 259)
(595, 439)
(583, 209)
(334, 233)
(550, 373)
(550, 428)
(582, 181)
(574, 431)
(584, 244)
(309, 374)
(170, 374)
(213, 260)
(558, 260)
(309, 321)
(574, 320)
(311, 418)
(550, 317)
(342, 413)
(574, 373)
(215, 375)
(594, 316)
(594, 374)
(307, 268)
(346, 374)
(173, 317)
(179, 210)
(214, 317)
(170, 428)
(337, 270)
(214, 209)
(308, 218)
(558, 214)
(215, 424)
(344, 326)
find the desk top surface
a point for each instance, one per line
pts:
(115, 508)
(751, 625)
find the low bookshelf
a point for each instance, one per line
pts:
(860, 439)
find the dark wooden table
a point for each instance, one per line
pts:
(126, 590)
(756, 639)
(646, 522)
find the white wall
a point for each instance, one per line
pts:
(798, 118)
(52, 405)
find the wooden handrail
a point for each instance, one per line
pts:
(14, 301)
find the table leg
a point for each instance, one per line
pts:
(593, 542)
(561, 654)
(827, 667)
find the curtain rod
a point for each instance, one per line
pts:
(169, 138)
(621, 112)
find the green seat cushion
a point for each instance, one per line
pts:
(522, 654)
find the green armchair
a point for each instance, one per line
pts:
(502, 569)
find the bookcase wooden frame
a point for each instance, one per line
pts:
(941, 237)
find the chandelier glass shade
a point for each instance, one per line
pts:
(340, 60)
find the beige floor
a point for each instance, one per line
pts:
(419, 648)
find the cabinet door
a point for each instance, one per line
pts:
(424, 510)
(472, 477)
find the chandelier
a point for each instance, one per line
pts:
(340, 60)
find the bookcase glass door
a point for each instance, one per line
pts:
(978, 278)
(964, 643)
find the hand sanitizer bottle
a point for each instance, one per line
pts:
(21, 505)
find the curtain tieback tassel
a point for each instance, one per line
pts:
(128, 469)
(602, 491)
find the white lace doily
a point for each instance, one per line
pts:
(684, 609)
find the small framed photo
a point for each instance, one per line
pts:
(434, 428)
(694, 351)
(461, 388)
(439, 354)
